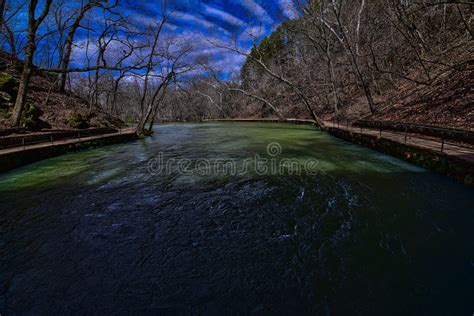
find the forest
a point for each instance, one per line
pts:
(383, 59)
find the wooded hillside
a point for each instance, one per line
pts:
(400, 60)
(407, 61)
(47, 107)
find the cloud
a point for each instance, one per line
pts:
(288, 8)
(241, 22)
(198, 24)
(141, 19)
(228, 62)
(256, 10)
(189, 18)
(82, 50)
(223, 16)
(252, 34)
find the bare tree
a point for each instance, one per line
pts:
(11, 12)
(280, 77)
(235, 88)
(33, 25)
(65, 57)
(173, 64)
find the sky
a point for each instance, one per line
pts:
(239, 22)
(224, 21)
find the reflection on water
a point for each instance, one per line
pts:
(96, 232)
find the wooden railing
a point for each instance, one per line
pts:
(438, 141)
(23, 141)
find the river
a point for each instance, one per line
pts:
(238, 218)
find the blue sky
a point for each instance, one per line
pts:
(239, 22)
(227, 21)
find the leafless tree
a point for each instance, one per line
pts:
(65, 56)
(33, 25)
(278, 76)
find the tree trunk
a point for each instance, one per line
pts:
(22, 94)
(11, 39)
(141, 125)
(368, 94)
(152, 122)
(114, 94)
(154, 113)
(66, 59)
(2, 9)
(25, 80)
(33, 25)
(332, 77)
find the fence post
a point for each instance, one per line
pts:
(23, 142)
(52, 143)
(405, 136)
(79, 135)
(380, 132)
(442, 144)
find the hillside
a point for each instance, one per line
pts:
(447, 102)
(414, 65)
(47, 108)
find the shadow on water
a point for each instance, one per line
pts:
(95, 232)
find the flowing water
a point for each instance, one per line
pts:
(194, 220)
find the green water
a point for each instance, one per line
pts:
(220, 141)
(263, 217)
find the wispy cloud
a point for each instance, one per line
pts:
(223, 16)
(257, 11)
(288, 8)
(228, 22)
(188, 18)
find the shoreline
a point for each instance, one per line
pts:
(450, 159)
(17, 157)
(454, 162)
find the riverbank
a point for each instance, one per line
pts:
(455, 160)
(19, 156)
(447, 158)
